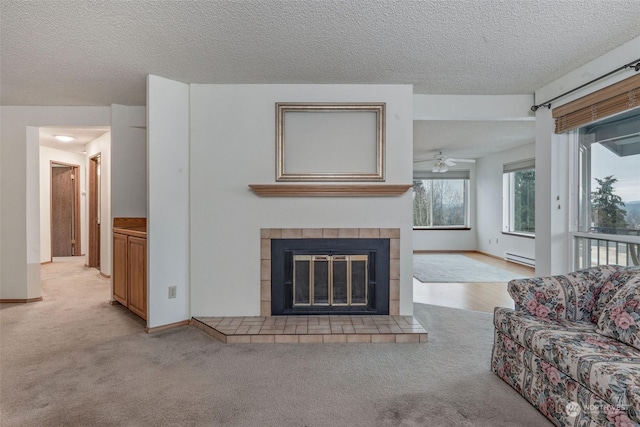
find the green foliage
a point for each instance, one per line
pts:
(606, 207)
(524, 193)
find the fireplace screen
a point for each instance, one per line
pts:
(330, 280)
(329, 276)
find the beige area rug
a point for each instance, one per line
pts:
(457, 268)
(74, 360)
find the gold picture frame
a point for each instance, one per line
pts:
(330, 141)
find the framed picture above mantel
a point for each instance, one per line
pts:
(330, 141)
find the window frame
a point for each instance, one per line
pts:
(581, 230)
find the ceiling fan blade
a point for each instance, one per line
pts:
(449, 162)
(423, 161)
(464, 160)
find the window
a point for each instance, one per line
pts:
(441, 203)
(609, 179)
(608, 223)
(519, 197)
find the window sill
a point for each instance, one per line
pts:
(526, 236)
(441, 228)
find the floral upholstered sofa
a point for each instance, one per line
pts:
(571, 347)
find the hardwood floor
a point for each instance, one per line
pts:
(470, 296)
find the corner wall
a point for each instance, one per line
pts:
(233, 145)
(489, 205)
(554, 197)
(129, 160)
(168, 201)
(19, 177)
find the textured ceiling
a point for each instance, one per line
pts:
(78, 52)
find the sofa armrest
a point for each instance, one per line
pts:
(562, 297)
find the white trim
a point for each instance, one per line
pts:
(574, 190)
(520, 165)
(611, 237)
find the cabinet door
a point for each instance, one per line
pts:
(119, 276)
(137, 266)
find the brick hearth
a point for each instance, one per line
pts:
(313, 329)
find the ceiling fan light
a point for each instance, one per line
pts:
(440, 167)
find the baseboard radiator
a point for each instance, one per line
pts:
(520, 259)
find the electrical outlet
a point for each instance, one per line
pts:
(497, 241)
(172, 291)
(489, 241)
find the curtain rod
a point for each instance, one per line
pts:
(633, 64)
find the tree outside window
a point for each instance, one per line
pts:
(519, 193)
(524, 194)
(607, 208)
(439, 203)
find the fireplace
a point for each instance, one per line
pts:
(330, 280)
(330, 276)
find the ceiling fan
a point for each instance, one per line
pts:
(441, 162)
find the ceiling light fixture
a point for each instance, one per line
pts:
(440, 166)
(64, 138)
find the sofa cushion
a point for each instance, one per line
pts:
(607, 367)
(521, 327)
(620, 318)
(610, 287)
(563, 297)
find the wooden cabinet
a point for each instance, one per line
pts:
(119, 275)
(137, 272)
(130, 271)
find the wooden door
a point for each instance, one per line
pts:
(119, 273)
(62, 211)
(94, 214)
(137, 269)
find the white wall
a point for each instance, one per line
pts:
(168, 200)
(129, 159)
(48, 155)
(32, 211)
(489, 205)
(452, 240)
(233, 145)
(102, 146)
(553, 171)
(20, 191)
(473, 107)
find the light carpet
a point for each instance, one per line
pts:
(456, 268)
(74, 360)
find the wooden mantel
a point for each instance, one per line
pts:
(329, 190)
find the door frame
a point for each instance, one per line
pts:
(77, 220)
(94, 210)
